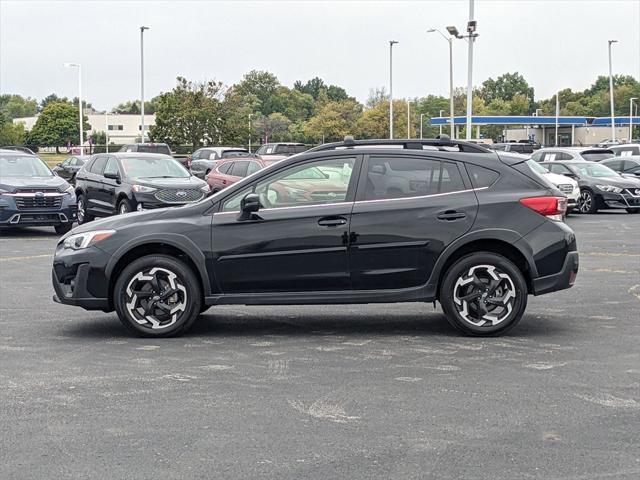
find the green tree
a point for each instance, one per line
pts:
(133, 107)
(273, 128)
(334, 121)
(189, 114)
(57, 125)
(506, 87)
(12, 133)
(16, 106)
(52, 98)
(261, 86)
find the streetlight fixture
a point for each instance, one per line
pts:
(471, 36)
(391, 44)
(80, 113)
(631, 100)
(142, 29)
(613, 117)
(454, 32)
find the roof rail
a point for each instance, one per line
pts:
(441, 142)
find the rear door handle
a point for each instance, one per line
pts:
(332, 221)
(451, 215)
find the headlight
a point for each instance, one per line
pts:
(84, 240)
(609, 188)
(70, 190)
(205, 188)
(142, 189)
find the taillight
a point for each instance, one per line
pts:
(552, 207)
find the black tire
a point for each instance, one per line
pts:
(83, 216)
(63, 228)
(587, 202)
(483, 294)
(633, 210)
(153, 277)
(124, 206)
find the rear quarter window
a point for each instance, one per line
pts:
(482, 177)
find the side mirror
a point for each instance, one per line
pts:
(249, 205)
(112, 176)
(59, 165)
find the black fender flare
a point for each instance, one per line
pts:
(176, 240)
(508, 236)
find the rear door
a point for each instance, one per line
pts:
(93, 185)
(109, 185)
(407, 210)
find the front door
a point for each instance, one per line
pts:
(408, 210)
(298, 240)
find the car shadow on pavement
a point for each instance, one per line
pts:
(16, 232)
(210, 324)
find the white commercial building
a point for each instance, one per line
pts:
(120, 128)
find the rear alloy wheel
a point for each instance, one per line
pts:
(157, 296)
(484, 294)
(587, 202)
(82, 215)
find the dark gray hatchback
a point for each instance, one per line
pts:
(351, 222)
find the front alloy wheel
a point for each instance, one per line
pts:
(483, 294)
(157, 296)
(587, 202)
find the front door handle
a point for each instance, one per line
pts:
(451, 215)
(332, 221)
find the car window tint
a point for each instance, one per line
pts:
(389, 177)
(596, 156)
(481, 177)
(111, 166)
(239, 169)
(615, 165)
(196, 155)
(319, 182)
(232, 204)
(559, 169)
(98, 165)
(537, 157)
(225, 167)
(253, 168)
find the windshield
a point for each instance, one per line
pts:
(23, 166)
(156, 167)
(593, 170)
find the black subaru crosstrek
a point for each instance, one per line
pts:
(31, 195)
(351, 222)
(117, 183)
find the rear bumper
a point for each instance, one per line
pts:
(558, 281)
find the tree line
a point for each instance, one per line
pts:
(261, 108)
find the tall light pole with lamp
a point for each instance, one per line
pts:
(391, 44)
(143, 133)
(450, 41)
(631, 100)
(81, 115)
(613, 116)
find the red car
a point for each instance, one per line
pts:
(229, 171)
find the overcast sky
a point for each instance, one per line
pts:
(555, 44)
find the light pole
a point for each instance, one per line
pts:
(250, 115)
(631, 100)
(450, 40)
(536, 114)
(79, 67)
(408, 120)
(557, 115)
(142, 29)
(421, 117)
(391, 44)
(441, 124)
(613, 117)
(106, 131)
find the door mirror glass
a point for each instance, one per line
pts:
(249, 205)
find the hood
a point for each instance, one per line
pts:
(13, 183)
(173, 182)
(617, 181)
(560, 179)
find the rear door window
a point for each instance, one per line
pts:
(111, 166)
(98, 165)
(225, 167)
(253, 168)
(389, 177)
(239, 169)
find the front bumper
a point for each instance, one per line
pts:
(558, 281)
(12, 216)
(78, 278)
(619, 200)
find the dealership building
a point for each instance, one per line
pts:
(571, 130)
(120, 128)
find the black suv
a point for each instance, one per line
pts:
(350, 222)
(31, 195)
(110, 183)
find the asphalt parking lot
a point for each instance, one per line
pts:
(376, 391)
